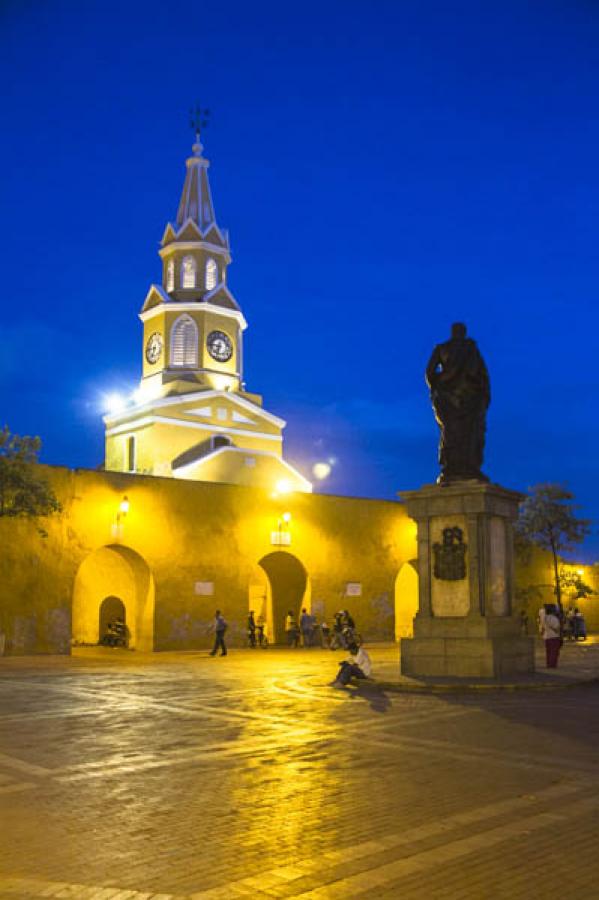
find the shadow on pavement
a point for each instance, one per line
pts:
(374, 694)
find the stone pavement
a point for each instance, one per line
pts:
(171, 776)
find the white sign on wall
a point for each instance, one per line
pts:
(204, 588)
(353, 589)
(280, 538)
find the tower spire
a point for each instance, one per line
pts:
(196, 199)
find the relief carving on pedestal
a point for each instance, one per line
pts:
(450, 556)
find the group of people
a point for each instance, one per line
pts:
(312, 633)
(555, 625)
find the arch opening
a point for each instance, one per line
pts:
(406, 600)
(112, 581)
(279, 583)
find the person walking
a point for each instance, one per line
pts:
(220, 626)
(551, 634)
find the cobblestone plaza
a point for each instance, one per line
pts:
(171, 776)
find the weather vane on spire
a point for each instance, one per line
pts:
(198, 120)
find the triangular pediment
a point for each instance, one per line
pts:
(169, 235)
(222, 296)
(189, 231)
(203, 411)
(213, 236)
(155, 296)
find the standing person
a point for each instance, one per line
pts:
(260, 623)
(291, 629)
(551, 634)
(325, 632)
(251, 629)
(220, 626)
(307, 628)
(357, 666)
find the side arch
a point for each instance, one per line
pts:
(119, 573)
(406, 600)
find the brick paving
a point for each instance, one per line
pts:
(178, 776)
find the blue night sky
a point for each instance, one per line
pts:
(384, 169)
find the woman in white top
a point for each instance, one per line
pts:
(551, 632)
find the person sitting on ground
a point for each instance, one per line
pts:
(357, 666)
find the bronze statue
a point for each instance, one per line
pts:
(460, 392)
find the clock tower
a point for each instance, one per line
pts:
(192, 416)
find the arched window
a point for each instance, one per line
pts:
(211, 275)
(184, 342)
(131, 454)
(170, 275)
(188, 272)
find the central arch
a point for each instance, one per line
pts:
(286, 587)
(111, 578)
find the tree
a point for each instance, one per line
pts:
(23, 491)
(548, 520)
(572, 581)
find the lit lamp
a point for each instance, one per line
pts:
(117, 527)
(282, 536)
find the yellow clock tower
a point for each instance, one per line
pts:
(192, 417)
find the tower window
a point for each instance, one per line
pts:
(131, 454)
(170, 276)
(211, 274)
(188, 272)
(184, 342)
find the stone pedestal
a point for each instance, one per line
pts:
(465, 625)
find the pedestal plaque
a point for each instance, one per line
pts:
(465, 625)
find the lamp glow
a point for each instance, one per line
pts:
(286, 517)
(115, 403)
(321, 470)
(283, 486)
(124, 506)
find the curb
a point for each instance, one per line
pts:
(473, 688)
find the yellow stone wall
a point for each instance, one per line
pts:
(177, 535)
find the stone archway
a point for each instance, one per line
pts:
(406, 600)
(288, 588)
(118, 574)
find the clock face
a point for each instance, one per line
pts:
(154, 347)
(220, 347)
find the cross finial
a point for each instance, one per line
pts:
(198, 120)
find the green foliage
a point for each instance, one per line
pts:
(23, 491)
(548, 520)
(572, 582)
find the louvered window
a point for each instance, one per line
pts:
(170, 276)
(184, 342)
(188, 272)
(211, 274)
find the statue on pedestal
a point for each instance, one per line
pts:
(460, 393)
